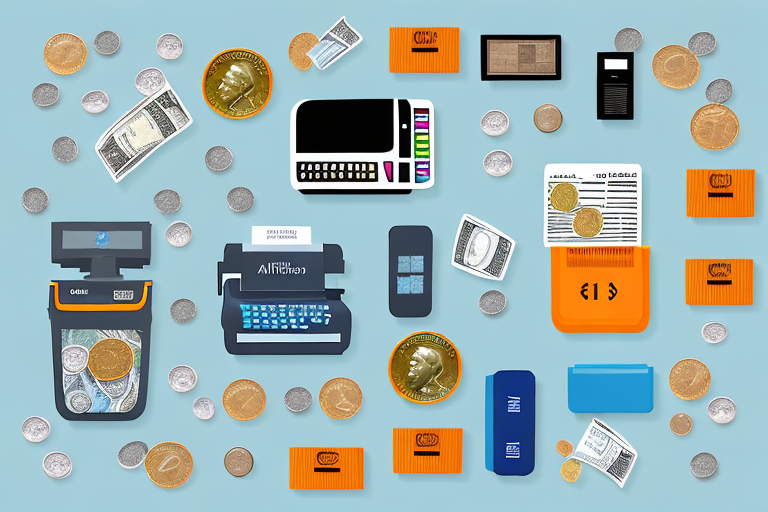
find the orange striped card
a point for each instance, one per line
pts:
(427, 450)
(718, 282)
(721, 193)
(326, 468)
(424, 50)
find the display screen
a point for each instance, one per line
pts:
(345, 126)
(101, 240)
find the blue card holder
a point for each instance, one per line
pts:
(600, 388)
(510, 420)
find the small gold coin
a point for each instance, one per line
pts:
(65, 53)
(588, 222)
(714, 126)
(237, 83)
(244, 400)
(681, 424)
(168, 464)
(238, 461)
(547, 118)
(425, 368)
(564, 448)
(297, 50)
(110, 359)
(341, 398)
(676, 67)
(564, 197)
(689, 379)
(570, 470)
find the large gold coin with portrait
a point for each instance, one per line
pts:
(244, 399)
(110, 359)
(689, 379)
(65, 53)
(341, 398)
(237, 83)
(425, 368)
(714, 126)
(168, 464)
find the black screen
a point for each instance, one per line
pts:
(345, 126)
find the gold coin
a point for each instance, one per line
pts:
(237, 83)
(547, 118)
(425, 368)
(168, 464)
(244, 399)
(570, 470)
(714, 126)
(297, 50)
(110, 359)
(588, 222)
(689, 379)
(238, 461)
(564, 448)
(681, 424)
(65, 53)
(341, 398)
(676, 67)
(564, 197)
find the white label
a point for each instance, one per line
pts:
(281, 235)
(122, 294)
(615, 63)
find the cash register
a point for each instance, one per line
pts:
(276, 302)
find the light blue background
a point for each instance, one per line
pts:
(521, 338)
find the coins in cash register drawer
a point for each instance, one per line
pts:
(425, 368)
(74, 359)
(722, 410)
(35, 429)
(183, 310)
(547, 118)
(204, 408)
(497, 163)
(34, 200)
(149, 81)
(65, 54)
(110, 359)
(564, 197)
(244, 400)
(178, 234)
(182, 378)
(167, 201)
(689, 379)
(714, 332)
(588, 222)
(218, 158)
(703, 465)
(78, 401)
(681, 424)
(240, 199)
(297, 399)
(564, 448)
(494, 123)
(95, 102)
(132, 455)
(169, 46)
(714, 126)
(719, 91)
(238, 461)
(702, 43)
(570, 470)
(492, 302)
(168, 464)
(297, 50)
(45, 95)
(107, 42)
(341, 398)
(57, 465)
(628, 40)
(64, 149)
(676, 67)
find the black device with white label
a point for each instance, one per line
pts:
(410, 271)
(615, 85)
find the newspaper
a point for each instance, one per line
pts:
(606, 450)
(338, 40)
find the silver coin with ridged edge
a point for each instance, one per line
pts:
(74, 359)
(35, 429)
(57, 465)
(714, 332)
(628, 40)
(45, 95)
(183, 310)
(132, 455)
(702, 43)
(95, 102)
(167, 201)
(497, 163)
(240, 199)
(204, 408)
(721, 410)
(34, 200)
(149, 81)
(494, 123)
(218, 158)
(297, 399)
(182, 378)
(719, 91)
(107, 42)
(79, 402)
(703, 465)
(169, 46)
(178, 234)
(64, 149)
(492, 302)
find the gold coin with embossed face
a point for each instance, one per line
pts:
(297, 50)
(564, 197)
(681, 424)
(570, 470)
(110, 359)
(65, 53)
(676, 67)
(588, 222)
(689, 379)
(714, 126)
(341, 398)
(564, 448)
(244, 399)
(237, 83)
(168, 464)
(425, 368)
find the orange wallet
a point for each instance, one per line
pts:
(427, 450)
(424, 50)
(718, 282)
(721, 193)
(326, 468)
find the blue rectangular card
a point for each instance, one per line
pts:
(510, 444)
(600, 388)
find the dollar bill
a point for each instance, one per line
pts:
(338, 40)
(603, 448)
(481, 249)
(141, 131)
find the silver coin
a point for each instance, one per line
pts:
(183, 310)
(628, 40)
(74, 359)
(116, 388)
(218, 158)
(95, 102)
(492, 302)
(64, 149)
(149, 81)
(106, 43)
(702, 44)
(182, 378)
(714, 332)
(703, 465)
(57, 465)
(722, 410)
(240, 199)
(298, 399)
(34, 200)
(35, 429)
(132, 455)
(719, 91)
(497, 163)
(204, 408)
(169, 46)
(45, 95)
(167, 201)
(178, 234)
(494, 123)
(78, 401)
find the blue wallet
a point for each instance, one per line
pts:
(598, 388)
(510, 420)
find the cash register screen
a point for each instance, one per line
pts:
(101, 239)
(345, 126)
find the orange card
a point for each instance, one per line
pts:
(326, 468)
(424, 50)
(721, 193)
(427, 450)
(718, 282)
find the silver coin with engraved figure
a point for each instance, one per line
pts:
(722, 410)
(149, 81)
(204, 408)
(74, 359)
(57, 465)
(35, 429)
